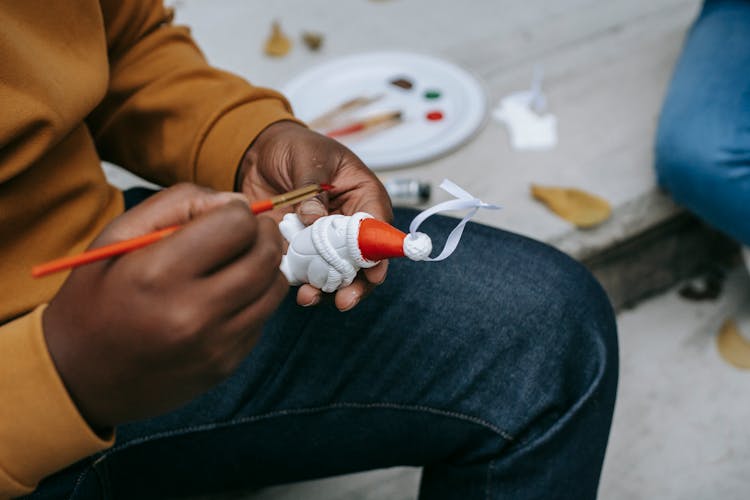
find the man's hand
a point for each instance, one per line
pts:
(144, 333)
(287, 156)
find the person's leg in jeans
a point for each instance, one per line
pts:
(703, 142)
(496, 370)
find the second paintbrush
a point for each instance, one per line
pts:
(379, 121)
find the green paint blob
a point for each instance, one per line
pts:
(432, 94)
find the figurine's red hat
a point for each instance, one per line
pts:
(378, 240)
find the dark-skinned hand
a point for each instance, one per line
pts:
(141, 334)
(287, 156)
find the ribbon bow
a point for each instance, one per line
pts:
(463, 201)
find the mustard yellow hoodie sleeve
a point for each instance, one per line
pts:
(41, 430)
(169, 116)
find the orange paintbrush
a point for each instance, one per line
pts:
(125, 246)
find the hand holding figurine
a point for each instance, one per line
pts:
(286, 156)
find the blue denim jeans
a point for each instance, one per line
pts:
(703, 142)
(495, 370)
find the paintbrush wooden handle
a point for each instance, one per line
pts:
(100, 253)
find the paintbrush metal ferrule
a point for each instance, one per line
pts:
(382, 118)
(299, 195)
(296, 194)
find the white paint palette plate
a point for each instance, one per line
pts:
(462, 102)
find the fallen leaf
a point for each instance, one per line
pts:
(579, 207)
(278, 44)
(733, 347)
(313, 40)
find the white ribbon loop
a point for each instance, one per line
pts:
(463, 201)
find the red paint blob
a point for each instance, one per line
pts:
(434, 116)
(326, 187)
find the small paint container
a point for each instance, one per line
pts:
(408, 192)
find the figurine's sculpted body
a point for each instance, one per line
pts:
(327, 253)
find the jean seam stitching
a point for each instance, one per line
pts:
(84, 473)
(79, 480)
(294, 411)
(315, 409)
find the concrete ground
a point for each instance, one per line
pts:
(681, 424)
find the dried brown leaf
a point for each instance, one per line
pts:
(733, 347)
(574, 205)
(277, 44)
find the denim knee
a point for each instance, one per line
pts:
(564, 341)
(685, 160)
(705, 172)
(505, 305)
(547, 375)
(585, 332)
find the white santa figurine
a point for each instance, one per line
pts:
(329, 253)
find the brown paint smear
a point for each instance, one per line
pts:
(733, 347)
(579, 207)
(277, 44)
(402, 83)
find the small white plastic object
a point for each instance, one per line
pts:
(530, 127)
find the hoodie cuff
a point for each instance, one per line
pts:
(41, 430)
(226, 141)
